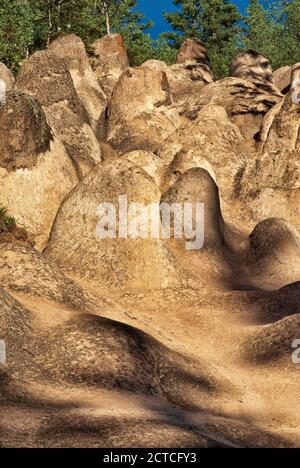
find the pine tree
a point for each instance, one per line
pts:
(215, 22)
(16, 31)
(273, 28)
(292, 31)
(186, 21)
(221, 31)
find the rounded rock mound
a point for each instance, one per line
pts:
(197, 186)
(121, 258)
(274, 254)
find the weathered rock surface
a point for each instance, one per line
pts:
(7, 76)
(119, 333)
(130, 262)
(192, 51)
(61, 79)
(197, 186)
(274, 254)
(140, 117)
(184, 79)
(254, 67)
(151, 163)
(273, 341)
(26, 272)
(108, 61)
(36, 173)
(245, 103)
(282, 79)
(211, 142)
(285, 76)
(270, 184)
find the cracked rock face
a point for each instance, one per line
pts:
(36, 173)
(61, 79)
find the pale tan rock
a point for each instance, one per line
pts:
(211, 142)
(295, 73)
(197, 186)
(140, 117)
(282, 78)
(36, 172)
(245, 103)
(266, 125)
(108, 61)
(63, 82)
(184, 79)
(158, 65)
(152, 164)
(25, 271)
(272, 342)
(7, 76)
(192, 51)
(131, 263)
(274, 253)
(72, 51)
(270, 186)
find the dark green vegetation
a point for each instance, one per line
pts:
(272, 28)
(5, 220)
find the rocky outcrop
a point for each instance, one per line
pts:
(162, 301)
(197, 186)
(25, 271)
(139, 116)
(114, 261)
(62, 80)
(151, 163)
(274, 253)
(271, 182)
(254, 67)
(285, 76)
(24, 132)
(36, 173)
(282, 79)
(211, 142)
(7, 76)
(192, 51)
(109, 60)
(245, 103)
(184, 79)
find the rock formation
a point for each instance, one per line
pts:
(212, 142)
(184, 79)
(282, 79)
(109, 60)
(149, 251)
(7, 76)
(271, 182)
(62, 80)
(255, 67)
(191, 72)
(140, 117)
(36, 172)
(245, 102)
(192, 51)
(121, 262)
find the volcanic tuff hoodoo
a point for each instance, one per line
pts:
(143, 342)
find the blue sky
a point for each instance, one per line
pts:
(153, 10)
